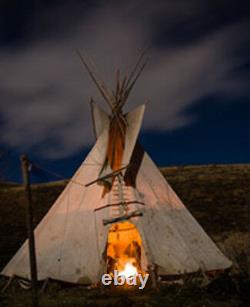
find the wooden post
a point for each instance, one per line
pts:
(153, 275)
(29, 220)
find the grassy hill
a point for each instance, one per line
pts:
(217, 195)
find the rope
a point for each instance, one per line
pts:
(56, 174)
(47, 171)
(63, 178)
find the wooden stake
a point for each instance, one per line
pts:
(29, 219)
(153, 275)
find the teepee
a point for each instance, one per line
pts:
(117, 208)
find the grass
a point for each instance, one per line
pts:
(217, 195)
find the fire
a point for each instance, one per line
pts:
(124, 249)
(129, 270)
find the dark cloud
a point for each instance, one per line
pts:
(45, 92)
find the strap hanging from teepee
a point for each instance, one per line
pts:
(113, 174)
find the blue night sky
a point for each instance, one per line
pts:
(196, 83)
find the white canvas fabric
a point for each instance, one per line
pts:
(176, 242)
(66, 239)
(134, 120)
(71, 239)
(100, 119)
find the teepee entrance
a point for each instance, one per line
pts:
(124, 249)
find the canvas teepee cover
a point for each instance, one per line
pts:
(117, 182)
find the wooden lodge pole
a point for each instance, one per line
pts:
(29, 220)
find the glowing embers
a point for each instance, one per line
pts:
(129, 270)
(124, 250)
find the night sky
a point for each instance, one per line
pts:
(196, 84)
